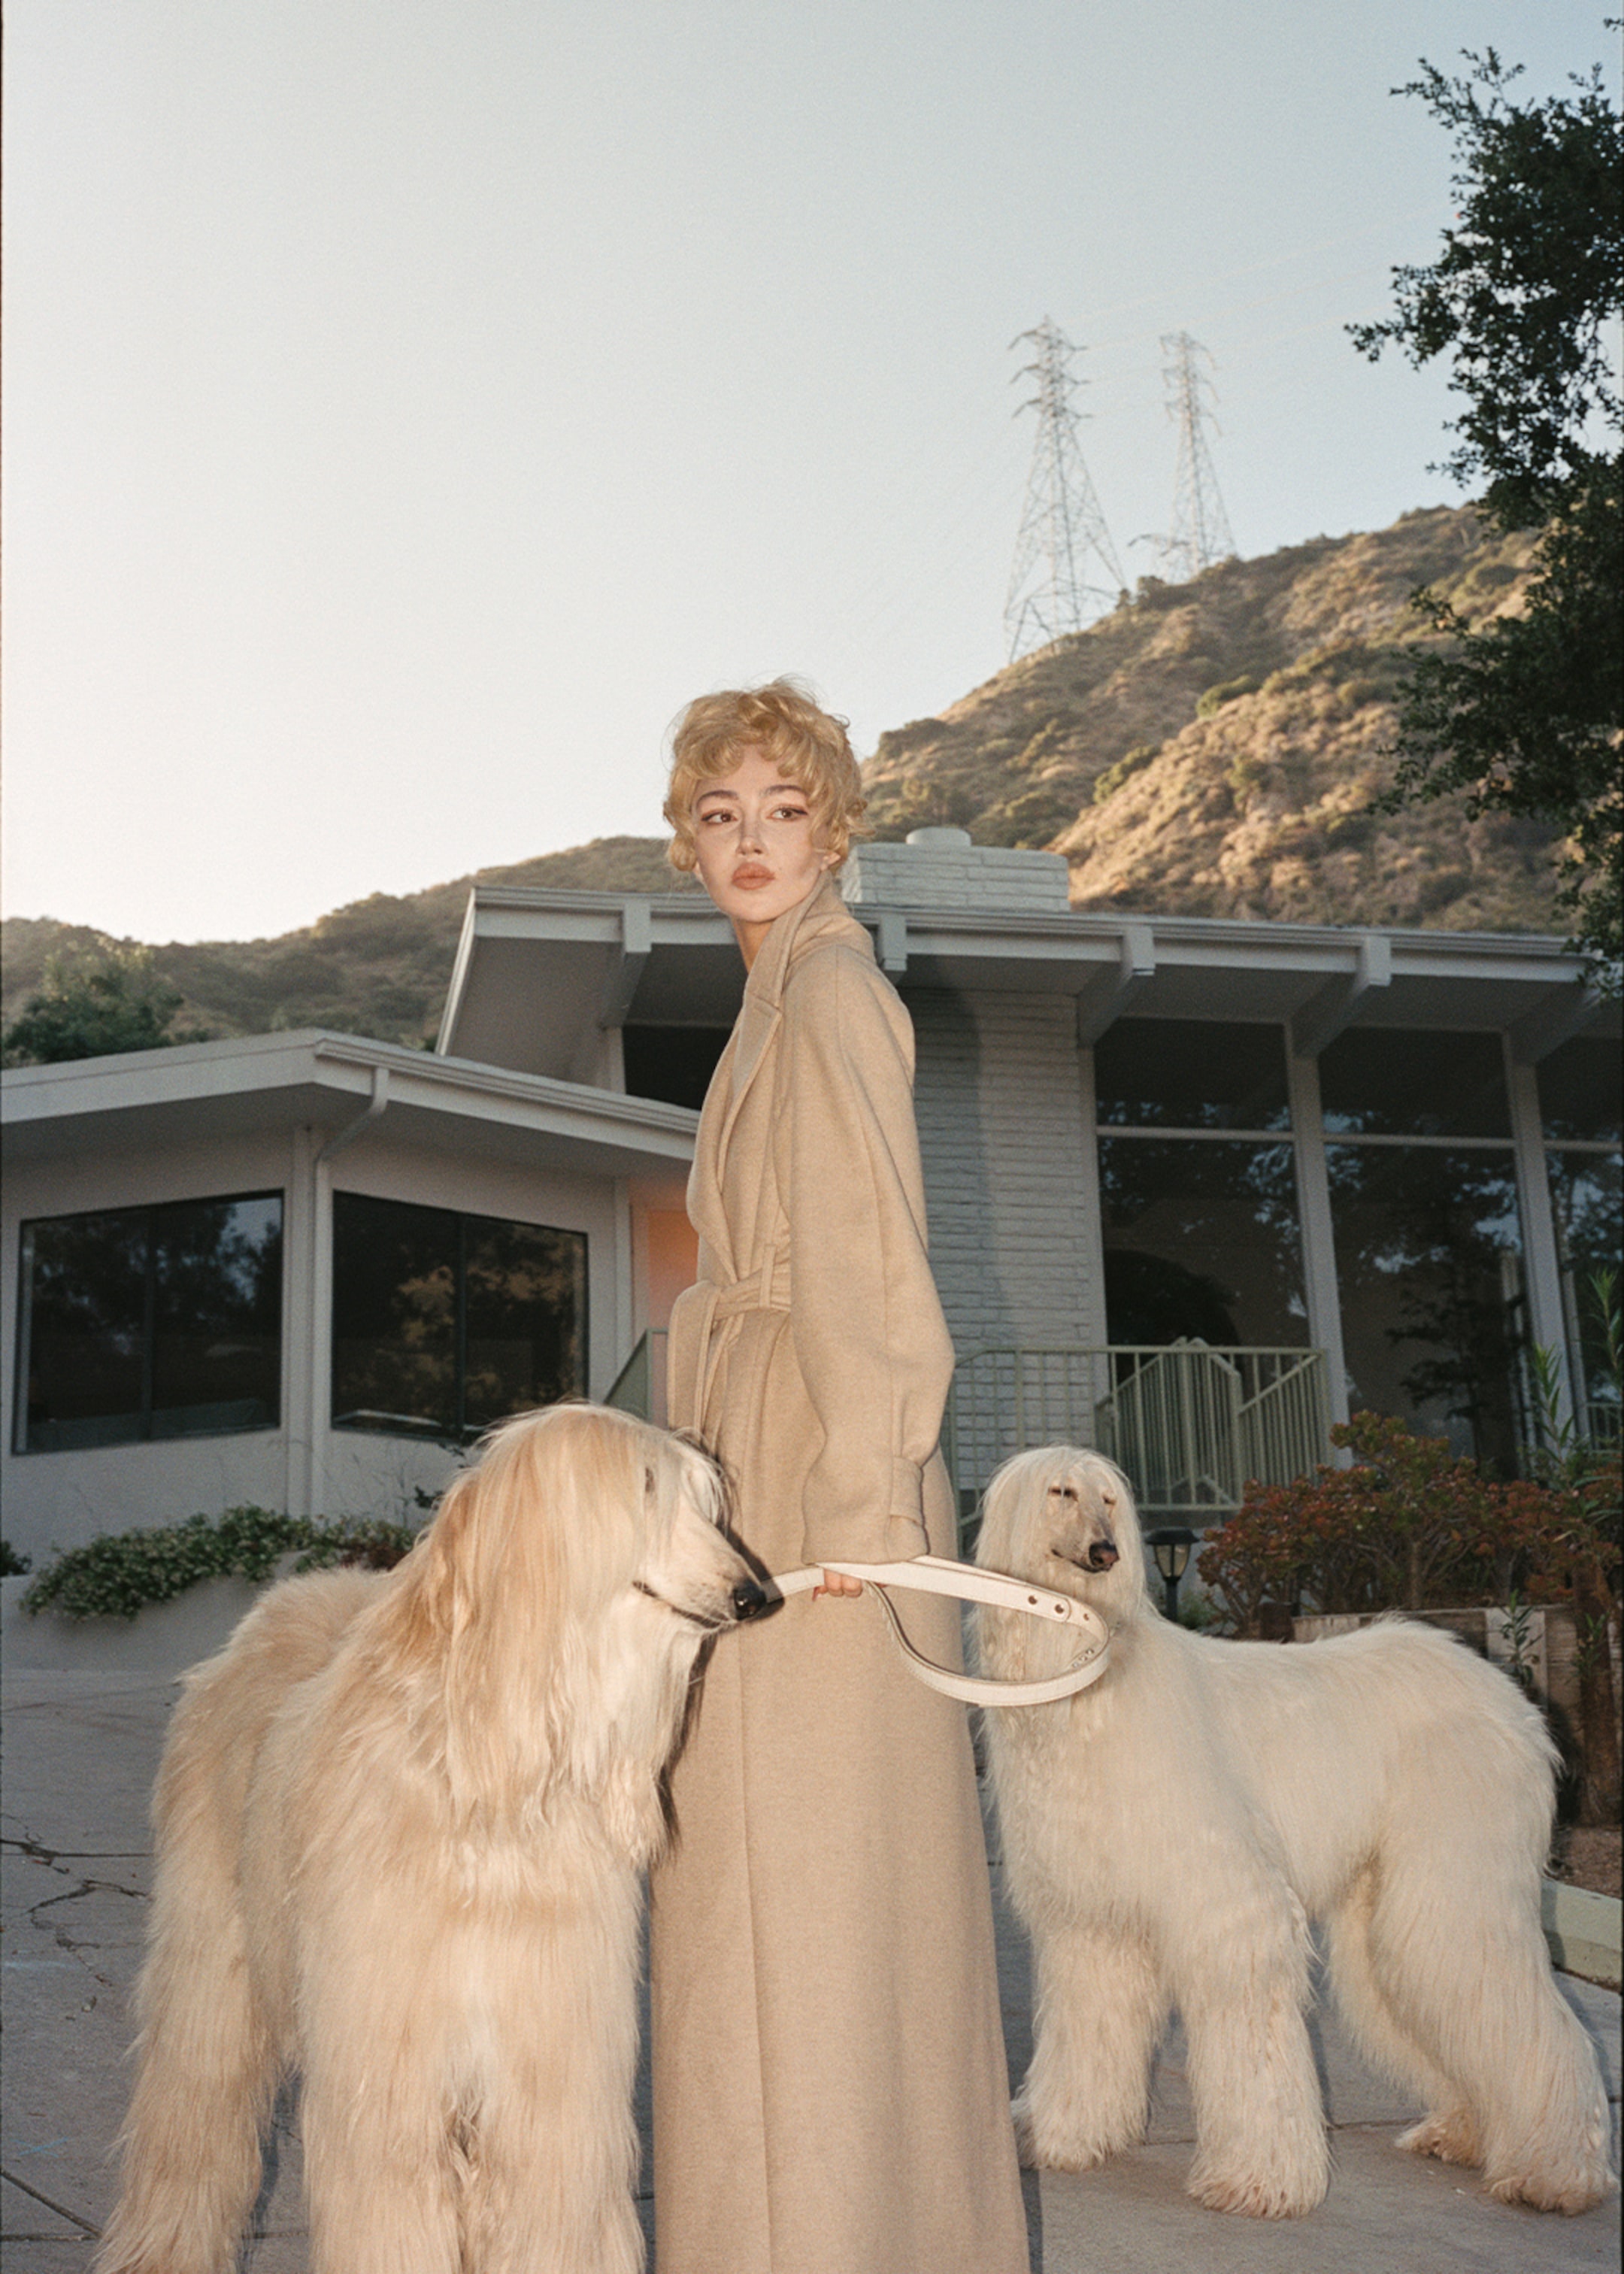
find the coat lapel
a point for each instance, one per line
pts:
(760, 1016)
(762, 1007)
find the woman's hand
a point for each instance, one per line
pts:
(837, 1583)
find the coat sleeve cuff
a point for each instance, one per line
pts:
(890, 1535)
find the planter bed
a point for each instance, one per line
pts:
(163, 1640)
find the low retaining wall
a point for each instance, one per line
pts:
(163, 1640)
(1550, 1643)
(1584, 1930)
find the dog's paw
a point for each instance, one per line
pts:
(1569, 2192)
(1263, 2193)
(1281, 2188)
(1043, 2146)
(1452, 2138)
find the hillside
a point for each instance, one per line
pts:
(379, 967)
(1206, 750)
(1209, 747)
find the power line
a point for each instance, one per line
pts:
(1200, 532)
(1060, 523)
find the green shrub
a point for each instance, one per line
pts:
(11, 1565)
(1412, 1527)
(121, 1572)
(1227, 691)
(1110, 781)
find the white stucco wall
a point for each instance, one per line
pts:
(57, 1500)
(1000, 1122)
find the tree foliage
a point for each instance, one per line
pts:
(92, 1005)
(1412, 1525)
(1524, 715)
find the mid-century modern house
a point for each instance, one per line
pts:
(1196, 1189)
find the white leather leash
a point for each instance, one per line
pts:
(937, 1575)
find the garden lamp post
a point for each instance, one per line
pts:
(1170, 1545)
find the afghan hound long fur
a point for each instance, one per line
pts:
(401, 1820)
(1171, 1833)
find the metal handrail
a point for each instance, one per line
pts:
(640, 1386)
(1192, 1423)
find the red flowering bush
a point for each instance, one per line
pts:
(1412, 1527)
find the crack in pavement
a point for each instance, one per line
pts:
(81, 1884)
(50, 2204)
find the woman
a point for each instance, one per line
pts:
(830, 2093)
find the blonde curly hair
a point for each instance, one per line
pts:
(781, 720)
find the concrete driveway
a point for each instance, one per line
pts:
(81, 1751)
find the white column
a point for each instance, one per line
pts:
(1541, 1264)
(298, 1320)
(1313, 1203)
(319, 1346)
(1091, 1225)
(614, 1339)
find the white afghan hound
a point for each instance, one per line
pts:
(1169, 1834)
(401, 1820)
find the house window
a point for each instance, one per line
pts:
(1201, 1242)
(150, 1322)
(1201, 1235)
(444, 1323)
(672, 1063)
(1396, 1082)
(1191, 1073)
(1579, 1099)
(1429, 1261)
(1428, 1231)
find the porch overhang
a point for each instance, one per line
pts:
(540, 973)
(327, 1081)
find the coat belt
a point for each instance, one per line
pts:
(765, 1290)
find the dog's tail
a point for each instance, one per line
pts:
(205, 2071)
(210, 2051)
(206, 2064)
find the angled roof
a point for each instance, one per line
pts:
(537, 971)
(340, 1084)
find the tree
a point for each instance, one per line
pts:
(93, 1004)
(1525, 715)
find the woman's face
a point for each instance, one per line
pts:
(757, 846)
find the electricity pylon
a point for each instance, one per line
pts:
(1200, 532)
(1060, 523)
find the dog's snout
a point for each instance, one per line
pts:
(748, 1600)
(1102, 1554)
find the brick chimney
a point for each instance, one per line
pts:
(943, 868)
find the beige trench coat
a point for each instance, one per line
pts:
(829, 2083)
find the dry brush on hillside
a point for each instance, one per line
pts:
(1211, 748)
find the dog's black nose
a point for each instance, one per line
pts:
(748, 1600)
(1102, 1555)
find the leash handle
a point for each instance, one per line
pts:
(938, 1575)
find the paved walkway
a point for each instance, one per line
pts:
(80, 1752)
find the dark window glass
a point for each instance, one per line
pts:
(673, 1064)
(1587, 1201)
(1429, 1261)
(1201, 1242)
(444, 1323)
(394, 1317)
(1394, 1082)
(1582, 1089)
(526, 1314)
(151, 1322)
(1191, 1073)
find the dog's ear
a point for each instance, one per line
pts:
(437, 1596)
(1126, 1583)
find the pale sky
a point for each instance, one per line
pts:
(410, 406)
